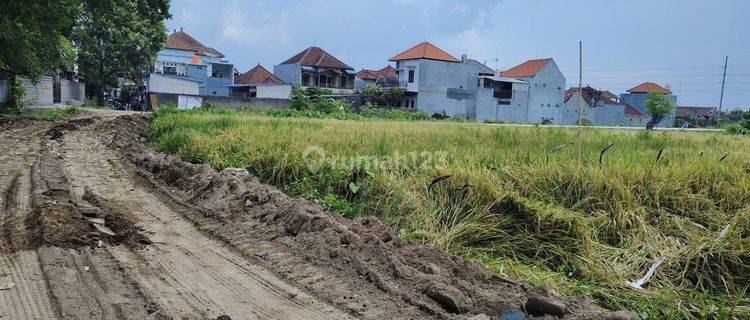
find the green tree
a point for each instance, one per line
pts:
(34, 35)
(119, 39)
(34, 41)
(392, 95)
(658, 106)
(371, 94)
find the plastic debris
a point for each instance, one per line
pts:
(723, 232)
(7, 286)
(637, 284)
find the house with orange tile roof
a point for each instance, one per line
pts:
(384, 77)
(185, 71)
(435, 82)
(599, 108)
(636, 98)
(314, 67)
(546, 90)
(186, 66)
(258, 82)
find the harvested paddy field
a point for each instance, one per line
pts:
(656, 223)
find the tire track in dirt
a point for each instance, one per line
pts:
(38, 214)
(191, 275)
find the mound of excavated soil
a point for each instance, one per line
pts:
(360, 266)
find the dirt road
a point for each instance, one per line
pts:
(96, 225)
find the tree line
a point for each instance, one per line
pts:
(102, 40)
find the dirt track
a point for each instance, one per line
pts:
(96, 225)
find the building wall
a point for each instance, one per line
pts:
(217, 86)
(253, 103)
(488, 109)
(546, 95)
(289, 73)
(569, 111)
(635, 122)
(638, 101)
(447, 88)
(71, 91)
(276, 91)
(609, 115)
(166, 84)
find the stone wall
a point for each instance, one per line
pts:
(37, 94)
(164, 99)
(41, 93)
(240, 102)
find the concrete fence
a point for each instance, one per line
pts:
(164, 99)
(4, 90)
(42, 92)
(37, 94)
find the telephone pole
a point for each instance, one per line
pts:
(723, 80)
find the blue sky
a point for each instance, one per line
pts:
(676, 43)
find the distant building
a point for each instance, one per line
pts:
(635, 118)
(546, 89)
(186, 66)
(314, 67)
(260, 83)
(690, 116)
(385, 77)
(636, 97)
(598, 108)
(435, 82)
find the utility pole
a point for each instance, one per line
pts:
(723, 80)
(580, 96)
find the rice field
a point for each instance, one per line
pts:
(583, 213)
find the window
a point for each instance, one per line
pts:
(306, 80)
(544, 85)
(411, 76)
(170, 70)
(343, 82)
(412, 104)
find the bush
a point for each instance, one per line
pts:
(15, 103)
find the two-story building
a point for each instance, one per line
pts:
(314, 67)
(435, 82)
(636, 97)
(186, 66)
(546, 89)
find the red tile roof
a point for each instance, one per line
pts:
(631, 112)
(257, 75)
(649, 87)
(317, 57)
(180, 40)
(424, 50)
(366, 75)
(591, 93)
(387, 72)
(527, 69)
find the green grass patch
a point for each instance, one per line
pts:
(42, 114)
(541, 204)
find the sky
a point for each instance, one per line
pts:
(677, 43)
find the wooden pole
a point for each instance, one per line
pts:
(723, 79)
(580, 97)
